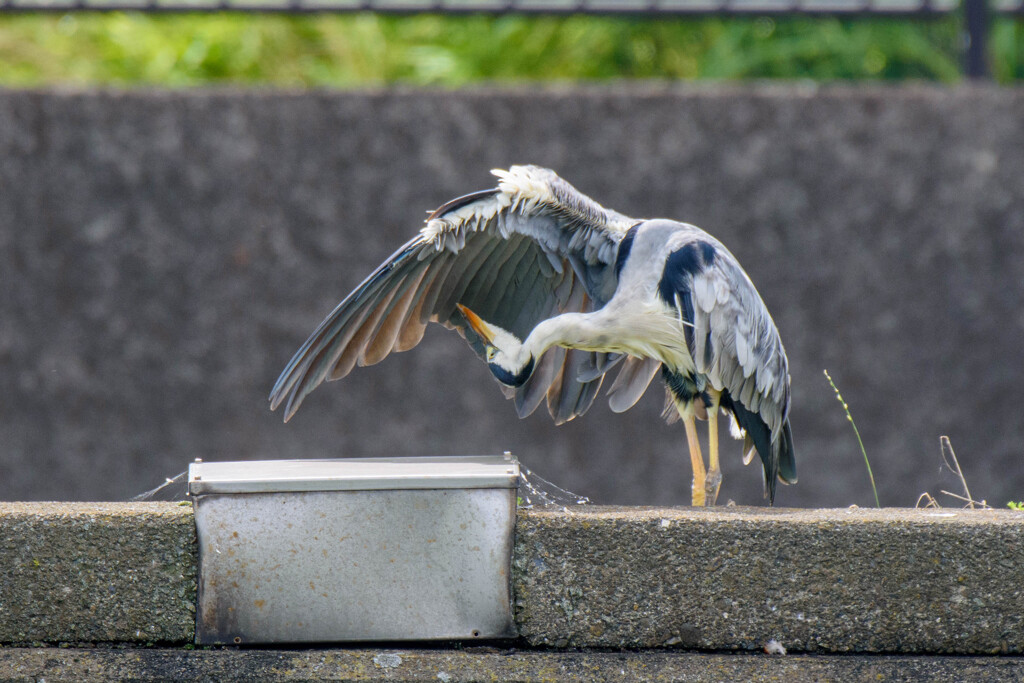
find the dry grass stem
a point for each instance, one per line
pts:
(950, 461)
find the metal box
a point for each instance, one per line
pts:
(354, 549)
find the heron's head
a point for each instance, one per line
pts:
(509, 360)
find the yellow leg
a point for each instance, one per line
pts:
(713, 481)
(696, 460)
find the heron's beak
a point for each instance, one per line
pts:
(478, 325)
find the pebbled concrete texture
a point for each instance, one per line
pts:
(116, 572)
(164, 254)
(484, 664)
(822, 580)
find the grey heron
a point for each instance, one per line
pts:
(553, 291)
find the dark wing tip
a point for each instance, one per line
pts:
(284, 391)
(311, 364)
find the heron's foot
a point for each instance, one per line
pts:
(712, 482)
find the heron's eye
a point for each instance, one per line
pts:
(491, 353)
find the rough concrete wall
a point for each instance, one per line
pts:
(736, 578)
(825, 581)
(105, 572)
(163, 254)
(473, 664)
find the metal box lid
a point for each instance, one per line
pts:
(354, 474)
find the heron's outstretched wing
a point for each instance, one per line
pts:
(735, 345)
(532, 248)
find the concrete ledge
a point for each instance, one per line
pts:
(816, 580)
(886, 581)
(484, 664)
(90, 572)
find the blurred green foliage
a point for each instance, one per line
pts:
(1007, 38)
(127, 49)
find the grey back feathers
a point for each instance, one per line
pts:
(731, 338)
(730, 334)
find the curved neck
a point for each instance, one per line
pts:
(568, 329)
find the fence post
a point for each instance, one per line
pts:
(976, 20)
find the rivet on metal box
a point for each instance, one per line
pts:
(355, 549)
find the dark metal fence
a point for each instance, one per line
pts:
(976, 15)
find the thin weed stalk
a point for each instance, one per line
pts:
(846, 409)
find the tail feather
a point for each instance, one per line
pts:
(759, 433)
(787, 457)
(778, 458)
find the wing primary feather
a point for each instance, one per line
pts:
(787, 457)
(461, 276)
(354, 349)
(504, 257)
(536, 294)
(317, 362)
(389, 329)
(602, 363)
(503, 280)
(397, 287)
(562, 393)
(527, 303)
(307, 368)
(570, 389)
(530, 395)
(489, 283)
(429, 302)
(631, 383)
(759, 433)
(414, 325)
(469, 287)
(460, 263)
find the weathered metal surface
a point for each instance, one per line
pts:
(343, 565)
(354, 474)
